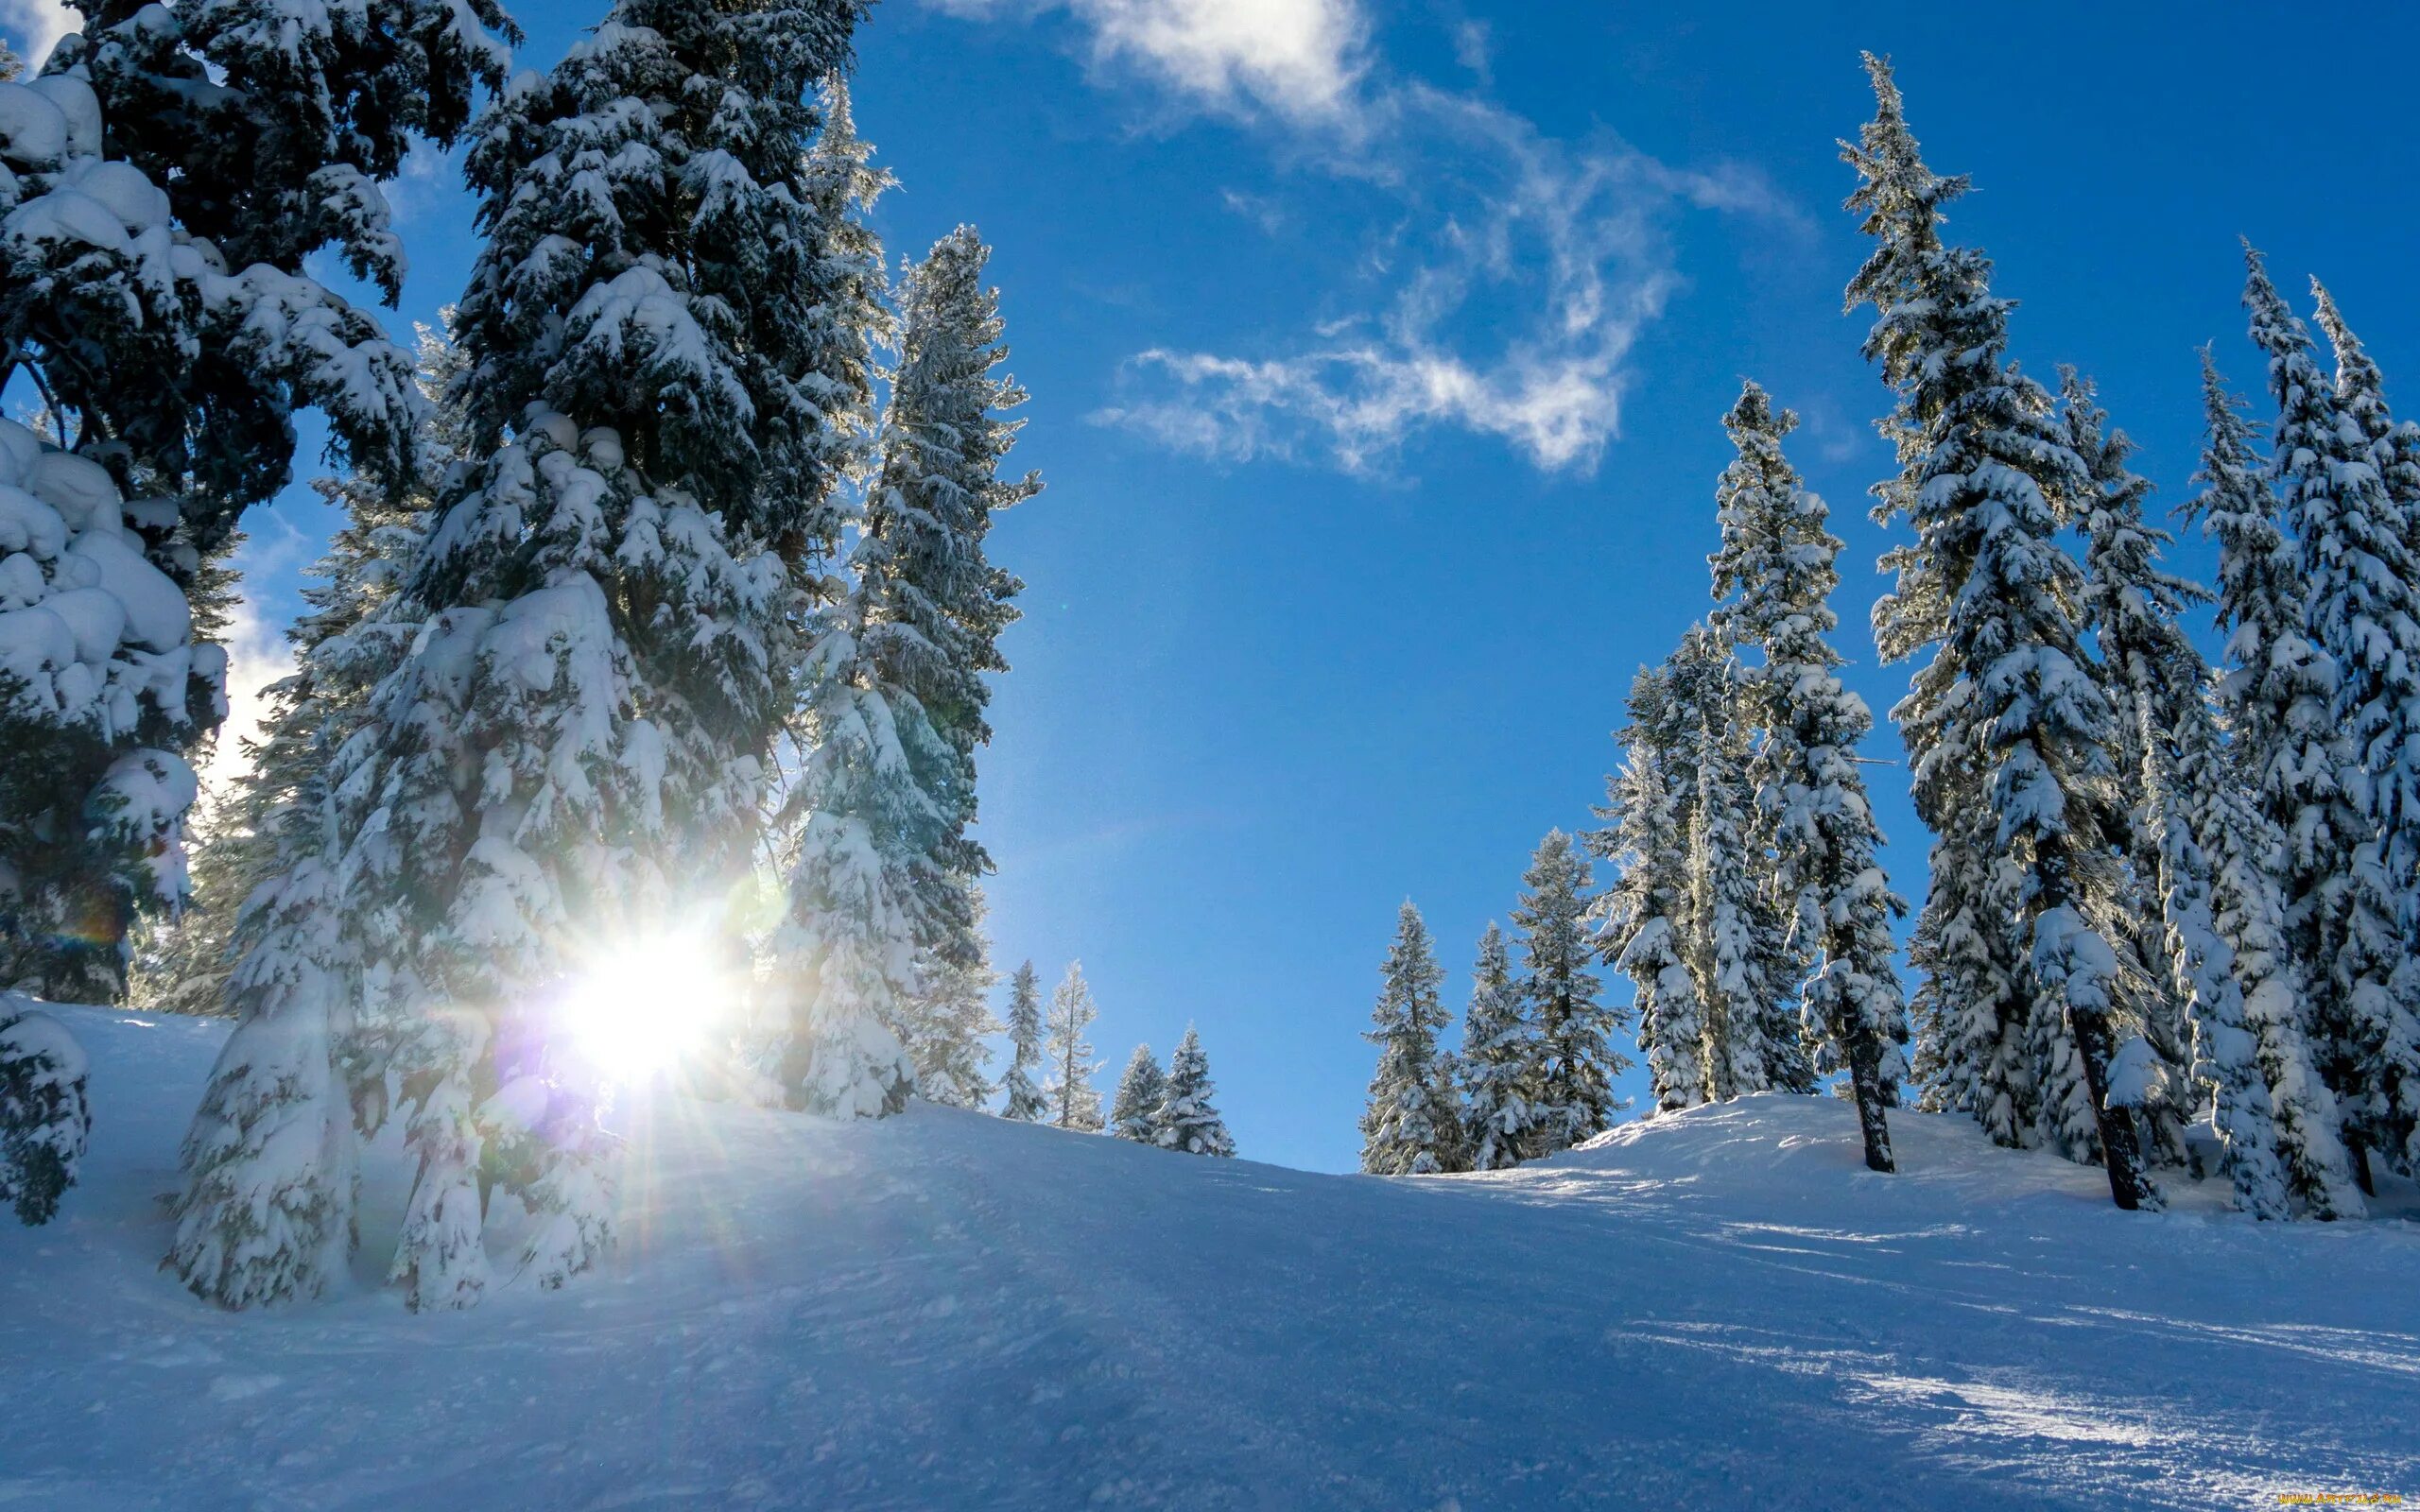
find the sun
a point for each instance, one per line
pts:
(641, 1008)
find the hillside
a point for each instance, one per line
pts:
(947, 1311)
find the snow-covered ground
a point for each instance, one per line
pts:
(946, 1310)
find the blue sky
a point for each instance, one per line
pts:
(1377, 356)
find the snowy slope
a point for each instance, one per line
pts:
(946, 1311)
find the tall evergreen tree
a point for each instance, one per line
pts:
(578, 740)
(267, 1210)
(2357, 895)
(1412, 1126)
(1498, 1064)
(2201, 843)
(1067, 1092)
(338, 659)
(1024, 1102)
(1134, 1113)
(1577, 1060)
(1189, 1122)
(1780, 559)
(2006, 718)
(948, 1023)
(1644, 917)
(938, 603)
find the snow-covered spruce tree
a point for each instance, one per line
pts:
(349, 636)
(1412, 1126)
(1069, 1098)
(266, 1213)
(1643, 920)
(1779, 560)
(1577, 1060)
(2359, 881)
(1134, 1113)
(2200, 844)
(2006, 710)
(576, 747)
(947, 1025)
(1723, 876)
(936, 605)
(150, 358)
(2131, 604)
(1189, 1122)
(44, 1117)
(1023, 1101)
(1498, 1065)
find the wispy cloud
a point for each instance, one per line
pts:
(37, 24)
(1506, 297)
(1298, 60)
(257, 653)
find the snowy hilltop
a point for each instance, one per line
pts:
(945, 1310)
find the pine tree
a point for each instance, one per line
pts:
(1412, 1126)
(1189, 1121)
(169, 385)
(2200, 840)
(1024, 1102)
(935, 605)
(266, 1211)
(45, 1118)
(2006, 712)
(1498, 1064)
(1644, 917)
(2352, 887)
(1134, 1113)
(1722, 915)
(947, 1025)
(1068, 1093)
(1780, 559)
(580, 735)
(1574, 1094)
(349, 636)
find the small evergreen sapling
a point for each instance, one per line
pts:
(1189, 1122)
(1500, 1063)
(1134, 1113)
(1411, 1126)
(1024, 1100)
(1067, 1093)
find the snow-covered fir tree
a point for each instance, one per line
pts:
(2355, 863)
(1412, 1126)
(1726, 958)
(1498, 1064)
(948, 1023)
(574, 749)
(2007, 726)
(349, 636)
(1577, 1063)
(169, 385)
(1780, 558)
(1189, 1122)
(1070, 1099)
(2204, 850)
(1644, 917)
(1023, 1099)
(266, 1210)
(45, 1119)
(935, 605)
(1134, 1113)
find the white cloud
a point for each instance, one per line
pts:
(37, 24)
(1300, 60)
(1510, 298)
(257, 656)
(1506, 297)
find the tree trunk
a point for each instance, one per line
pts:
(2361, 1168)
(1865, 1080)
(2121, 1150)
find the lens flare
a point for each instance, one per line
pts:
(640, 1009)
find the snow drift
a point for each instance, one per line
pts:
(943, 1309)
